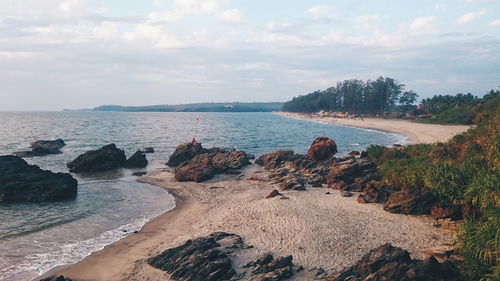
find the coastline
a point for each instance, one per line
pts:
(415, 132)
(319, 230)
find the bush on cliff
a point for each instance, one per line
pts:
(465, 169)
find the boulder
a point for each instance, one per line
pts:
(374, 193)
(148, 150)
(215, 161)
(351, 174)
(103, 159)
(387, 262)
(198, 169)
(272, 160)
(42, 147)
(354, 153)
(56, 278)
(137, 160)
(201, 259)
(452, 211)
(346, 193)
(410, 202)
(322, 148)
(273, 269)
(185, 152)
(22, 182)
(273, 194)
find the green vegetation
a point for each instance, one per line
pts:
(457, 109)
(465, 169)
(355, 96)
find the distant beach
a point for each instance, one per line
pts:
(415, 132)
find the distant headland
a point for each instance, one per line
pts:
(194, 107)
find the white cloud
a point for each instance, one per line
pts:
(366, 21)
(440, 7)
(495, 22)
(470, 17)
(322, 13)
(232, 15)
(422, 23)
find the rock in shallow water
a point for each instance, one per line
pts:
(42, 147)
(22, 182)
(56, 278)
(137, 160)
(103, 159)
(322, 148)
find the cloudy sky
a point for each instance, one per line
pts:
(58, 54)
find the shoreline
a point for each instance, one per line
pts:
(315, 237)
(414, 132)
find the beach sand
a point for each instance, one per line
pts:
(415, 132)
(318, 229)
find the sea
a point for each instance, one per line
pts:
(36, 237)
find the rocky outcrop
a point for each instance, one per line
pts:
(42, 147)
(374, 193)
(103, 159)
(452, 211)
(322, 148)
(56, 278)
(211, 258)
(185, 152)
(274, 159)
(391, 263)
(200, 259)
(198, 169)
(273, 194)
(137, 160)
(272, 269)
(352, 174)
(410, 202)
(215, 161)
(22, 182)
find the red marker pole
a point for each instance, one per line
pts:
(196, 129)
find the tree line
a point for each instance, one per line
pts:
(356, 96)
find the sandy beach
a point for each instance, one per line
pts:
(320, 230)
(415, 132)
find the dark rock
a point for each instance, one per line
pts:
(351, 174)
(137, 160)
(363, 154)
(185, 152)
(453, 211)
(273, 269)
(56, 278)
(374, 193)
(391, 263)
(103, 159)
(148, 150)
(410, 202)
(273, 194)
(233, 172)
(292, 183)
(22, 182)
(139, 174)
(205, 166)
(250, 156)
(200, 259)
(42, 147)
(322, 148)
(272, 160)
(198, 169)
(346, 193)
(354, 153)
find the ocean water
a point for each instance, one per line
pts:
(35, 237)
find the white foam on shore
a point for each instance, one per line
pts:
(35, 265)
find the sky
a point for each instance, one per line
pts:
(72, 54)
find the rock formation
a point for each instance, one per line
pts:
(22, 182)
(410, 202)
(103, 159)
(185, 152)
(391, 263)
(56, 278)
(42, 147)
(322, 148)
(137, 160)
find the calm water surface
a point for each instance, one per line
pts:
(37, 237)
